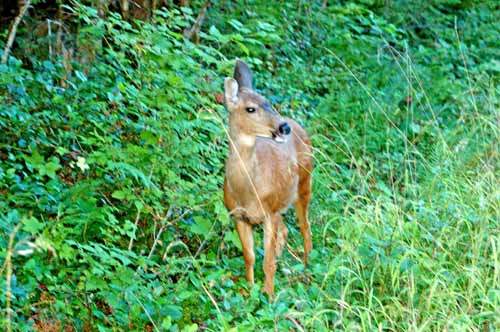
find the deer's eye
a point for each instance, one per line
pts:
(250, 109)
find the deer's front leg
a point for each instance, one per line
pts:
(281, 236)
(270, 230)
(244, 230)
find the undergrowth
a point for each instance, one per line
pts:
(111, 177)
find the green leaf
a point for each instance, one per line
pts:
(32, 225)
(50, 169)
(173, 311)
(190, 328)
(202, 226)
(119, 194)
(35, 160)
(233, 238)
(214, 32)
(166, 323)
(243, 48)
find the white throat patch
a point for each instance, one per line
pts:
(246, 140)
(280, 139)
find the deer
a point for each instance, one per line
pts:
(269, 168)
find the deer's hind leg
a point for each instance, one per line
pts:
(282, 235)
(302, 206)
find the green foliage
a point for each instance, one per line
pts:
(113, 172)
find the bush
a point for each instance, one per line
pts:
(111, 169)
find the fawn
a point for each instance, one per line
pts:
(268, 168)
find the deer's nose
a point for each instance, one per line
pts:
(284, 129)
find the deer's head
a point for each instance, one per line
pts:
(250, 113)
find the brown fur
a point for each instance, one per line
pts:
(264, 177)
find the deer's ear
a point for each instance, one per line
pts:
(230, 91)
(242, 74)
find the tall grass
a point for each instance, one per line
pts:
(417, 250)
(406, 197)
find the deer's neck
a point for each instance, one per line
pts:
(242, 146)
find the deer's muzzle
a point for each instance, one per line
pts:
(281, 134)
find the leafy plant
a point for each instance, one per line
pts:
(112, 159)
